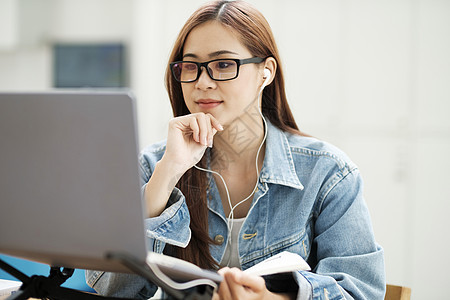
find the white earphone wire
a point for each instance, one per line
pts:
(192, 283)
(232, 208)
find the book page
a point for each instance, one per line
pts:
(184, 271)
(279, 263)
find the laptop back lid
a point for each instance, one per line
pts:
(69, 178)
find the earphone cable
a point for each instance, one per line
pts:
(232, 208)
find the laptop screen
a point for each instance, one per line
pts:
(69, 178)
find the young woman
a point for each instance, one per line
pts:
(236, 182)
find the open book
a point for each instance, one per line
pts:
(182, 271)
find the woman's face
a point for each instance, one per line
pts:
(225, 100)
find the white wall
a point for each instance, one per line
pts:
(8, 23)
(372, 77)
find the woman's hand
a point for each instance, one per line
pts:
(239, 285)
(188, 138)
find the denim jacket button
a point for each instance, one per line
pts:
(219, 239)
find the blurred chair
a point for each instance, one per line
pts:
(395, 292)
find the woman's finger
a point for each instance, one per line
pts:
(255, 283)
(215, 296)
(210, 130)
(193, 124)
(235, 289)
(215, 126)
(204, 126)
(215, 123)
(224, 291)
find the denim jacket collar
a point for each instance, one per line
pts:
(278, 167)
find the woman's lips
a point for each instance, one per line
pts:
(208, 103)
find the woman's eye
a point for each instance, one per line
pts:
(224, 64)
(190, 67)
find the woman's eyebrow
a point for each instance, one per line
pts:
(221, 52)
(211, 55)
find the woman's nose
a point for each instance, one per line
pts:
(205, 81)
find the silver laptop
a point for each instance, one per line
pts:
(69, 179)
(70, 188)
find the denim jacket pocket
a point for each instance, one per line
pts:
(299, 243)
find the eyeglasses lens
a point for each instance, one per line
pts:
(185, 71)
(218, 70)
(222, 69)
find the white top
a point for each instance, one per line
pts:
(231, 256)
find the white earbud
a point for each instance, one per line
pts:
(266, 77)
(267, 73)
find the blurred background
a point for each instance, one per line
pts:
(372, 77)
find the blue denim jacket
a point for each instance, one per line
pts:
(309, 201)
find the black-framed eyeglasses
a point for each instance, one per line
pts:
(217, 69)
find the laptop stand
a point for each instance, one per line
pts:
(49, 287)
(41, 287)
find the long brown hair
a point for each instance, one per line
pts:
(256, 35)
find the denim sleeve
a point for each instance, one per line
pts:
(120, 285)
(349, 262)
(172, 225)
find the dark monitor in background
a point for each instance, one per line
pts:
(89, 65)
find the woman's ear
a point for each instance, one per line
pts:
(270, 66)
